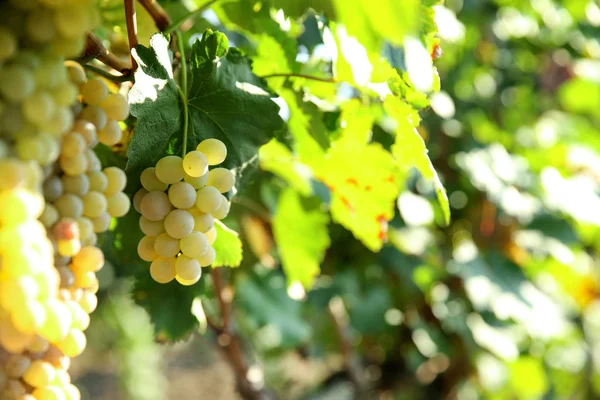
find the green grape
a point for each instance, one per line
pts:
(198, 182)
(39, 374)
(65, 94)
(155, 206)
(39, 26)
(57, 323)
(95, 115)
(94, 91)
(117, 180)
(195, 164)
(67, 47)
(223, 210)
(72, 392)
(75, 165)
(51, 72)
(93, 162)
(38, 108)
(98, 181)
(94, 204)
(13, 174)
(146, 248)
(202, 222)
(169, 169)
(8, 44)
(187, 268)
(179, 223)
(214, 149)
(16, 83)
(211, 235)
(86, 227)
(87, 130)
(187, 282)
(151, 228)
(208, 199)
(53, 188)
(89, 259)
(73, 144)
(73, 344)
(78, 184)
(116, 107)
(69, 205)
(208, 257)
(166, 246)
(29, 317)
(182, 195)
(49, 216)
(81, 319)
(194, 244)
(12, 121)
(111, 133)
(162, 270)
(48, 393)
(150, 182)
(15, 292)
(222, 179)
(75, 72)
(30, 148)
(137, 199)
(88, 302)
(72, 21)
(118, 204)
(101, 223)
(60, 122)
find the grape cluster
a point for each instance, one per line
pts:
(54, 195)
(179, 201)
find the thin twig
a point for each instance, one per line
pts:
(158, 14)
(188, 17)
(293, 75)
(223, 306)
(130, 19)
(108, 75)
(95, 49)
(183, 90)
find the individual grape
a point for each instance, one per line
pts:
(93, 162)
(13, 174)
(72, 392)
(166, 246)
(38, 345)
(48, 393)
(84, 279)
(98, 181)
(94, 91)
(66, 229)
(89, 258)
(211, 235)
(73, 344)
(169, 169)
(11, 339)
(118, 204)
(151, 228)
(95, 115)
(208, 199)
(73, 144)
(65, 94)
(222, 179)
(88, 302)
(29, 317)
(194, 244)
(111, 133)
(182, 195)
(155, 205)
(81, 319)
(68, 248)
(137, 199)
(208, 257)
(87, 130)
(17, 291)
(67, 279)
(146, 248)
(214, 149)
(116, 107)
(38, 108)
(57, 322)
(75, 165)
(39, 374)
(195, 164)
(101, 223)
(53, 188)
(202, 222)
(94, 204)
(69, 205)
(187, 282)
(16, 83)
(51, 72)
(49, 216)
(223, 210)
(60, 121)
(29, 148)
(117, 180)
(187, 268)
(75, 72)
(39, 26)
(179, 223)
(198, 182)
(62, 377)
(67, 47)
(8, 44)
(162, 270)
(78, 184)
(150, 182)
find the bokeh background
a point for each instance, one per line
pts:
(502, 304)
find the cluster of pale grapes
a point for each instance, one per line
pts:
(179, 201)
(54, 194)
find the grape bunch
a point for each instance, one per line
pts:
(179, 201)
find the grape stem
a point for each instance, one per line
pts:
(130, 20)
(108, 75)
(158, 14)
(95, 49)
(183, 89)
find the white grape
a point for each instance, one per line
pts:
(151, 228)
(94, 91)
(195, 164)
(16, 83)
(194, 245)
(73, 144)
(169, 169)
(94, 204)
(8, 44)
(162, 270)
(118, 204)
(211, 235)
(166, 246)
(223, 210)
(98, 181)
(137, 199)
(202, 222)
(208, 199)
(179, 223)
(69, 205)
(111, 133)
(38, 108)
(101, 223)
(117, 180)
(188, 268)
(146, 248)
(78, 184)
(182, 195)
(155, 205)
(214, 149)
(95, 115)
(150, 182)
(87, 130)
(116, 107)
(221, 178)
(208, 257)
(198, 182)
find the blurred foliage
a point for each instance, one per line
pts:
(502, 303)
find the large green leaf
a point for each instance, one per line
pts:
(228, 247)
(225, 101)
(301, 236)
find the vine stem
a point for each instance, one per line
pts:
(293, 75)
(108, 75)
(158, 14)
(183, 90)
(95, 49)
(130, 20)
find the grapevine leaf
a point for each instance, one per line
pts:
(302, 238)
(169, 305)
(228, 247)
(278, 159)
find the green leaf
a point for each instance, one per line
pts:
(301, 237)
(528, 377)
(278, 159)
(228, 247)
(226, 101)
(410, 151)
(169, 305)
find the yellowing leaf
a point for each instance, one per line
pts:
(228, 247)
(278, 159)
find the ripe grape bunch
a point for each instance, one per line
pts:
(179, 202)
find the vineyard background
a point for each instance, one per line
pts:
(501, 303)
